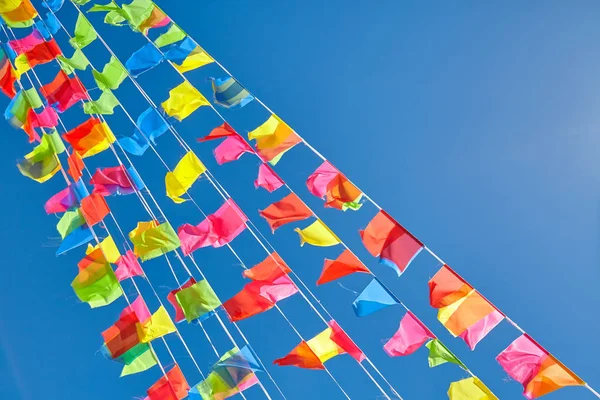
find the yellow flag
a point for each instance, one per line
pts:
(317, 234)
(9, 5)
(183, 100)
(21, 65)
(271, 133)
(109, 248)
(187, 171)
(196, 59)
(470, 389)
(158, 325)
(323, 346)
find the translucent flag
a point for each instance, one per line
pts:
(181, 179)
(151, 126)
(76, 166)
(347, 263)
(317, 234)
(112, 75)
(197, 300)
(109, 249)
(411, 335)
(141, 363)
(77, 61)
(439, 354)
(144, 60)
(470, 389)
(63, 92)
(328, 183)
(84, 33)
(42, 163)
(128, 266)
(229, 93)
(151, 240)
(94, 208)
(9, 5)
(90, 138)
(172, 386)
(273, 138)
(183, 100)
(20, 17)
(187, 56)
(8, 77)
(53, 5)
(61, 201)
(287, 210)
(222, 131)
(68, 222)
(26, 43)
(42, 53)
(116, 181)
(158, 325)
(231, 149)
(173, 35)
(97, 285)
(105, 104)
(268, 179)
(373, 298)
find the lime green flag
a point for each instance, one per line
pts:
(105, 104)
(33, 97)
(81, 2)
(151, 241)
(77, 61)
(138, 11)
(97, 285)
(112, 6)
(439, 354)
(115, 18)
(42, 163)
(141, 362)
(174, 34)
(111, 76)
(84, 33)
(197, 300)
(69, 221)
(56, 142)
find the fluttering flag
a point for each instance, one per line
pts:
(84, 33)
(96, 283)
(121, 340)
(53, 5)
(395, 246)
(231, 149)
(232, 374)
(229, 93)
(47, 118)
(374, 297)
(19, 106)
(89, 138)
(116, 181)
(21, 16)
(533, 367)
(42, 163)
(8, 77)
(183, 100)
(63, 91)
(330, 184)
(144, 60)
(197, 300)
(411, 335)
(216, 230)
(289, 209)
(151, 240)
(180, 180)
(273, 138)
(48, 26)
(462, 310)
(173, 35)
(42, 53)
(172, 386)
(313, 353)
(269, 285)
(112, 75)
(76, 166)
(440, 354)
(94, 209)
(68, 222)
(25, 44)
(105, 104)
(222, 131)
(187, 56)
(9, 5)
(78, 237)
(77, 61)
(347, 263)
(470, 389)
(128, 266)
(109, 249)
(151, 125)
(317, 234)
(171, 297)
(268, 179)
(143, 360)
(158, 325)
(61, 201)
(143, 15)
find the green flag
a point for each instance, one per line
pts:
(81, 2)
(439, 354)
(33, 98)
(174, 34)
(69, 221)
(137, 359)
(56, 142)
(97, 285)
(104, 105)
(115, 18)
(111, 76)
(138, 11)
(197, 300)
(112, 6)
(77, 61)
(84, 33)
(42, 163)
(151, 241)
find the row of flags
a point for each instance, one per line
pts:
(461, 309)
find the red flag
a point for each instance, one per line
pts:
(42, 53)
(94, 209)
(173, 386)
(289, 209)
(302, 356)
(76, 166)
(8, 78)
(246, 303)
(219, 132)
(346, 264)
(339, 337)
(63, 91)
(179, 315)
(122, 336)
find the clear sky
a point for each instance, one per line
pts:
(474, 124)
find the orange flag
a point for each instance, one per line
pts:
(94, 208)
(76, 166)
(346, 264)
(269, 269)
(302, 356)
(289, 209)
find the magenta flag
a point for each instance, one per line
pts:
(267, 179)
(140, 309)
(411, 335)
(231, 149)
(113, 180)
(318, 181)
(47, 118)
(216, 230)
(473, 334)
(128, 266)
(27, 43)
(61, 201)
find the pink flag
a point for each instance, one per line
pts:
(473, 334)
(128, 266)
(231, 149)
(27, 43)
(339, 337)
(267, 179)
(61, 201)
(411, 335)
(140, 309)
(47, 118)
(318, 181)
(179, 315)
(216, 230)
(281, 288)
(113, 180)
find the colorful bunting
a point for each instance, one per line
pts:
(112, 75)
(94, 209)
(144, 60)
(171, 297)
(90, 138)
(197, 300)
(61, 201)
(173, 35)
(20, 17)
(183, 100)
(78, 237)
(76, 166)
(151, 240)
(215, 230)
(158, 325)
(439, 354)
(347, 263)
(109, 249)
(105, 104)
(141, 363)
(317, 234)
(19, 106)
(149, 126)
(84, 33)
(128, 266)
(187, 56)
(229, 93)
(231, 149)
(68, 222)
(222, 131)
(328, 183)
(411, 335)
(462, 310)
(42, 163)
(77, 61)
(173, 386)
(373, 298)
(63, 91)
(8, 77)
(27, 43)
(388, 240)
(289, 209)
(181, 179)
(536, 369)
(470, 389)
(122, 336)
(273, 139)
(42, 53)
(268, 179)
(96, 283)
(116, 181)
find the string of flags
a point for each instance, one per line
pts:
(462, 310)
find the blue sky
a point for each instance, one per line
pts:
(473, 124)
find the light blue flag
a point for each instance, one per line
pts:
(238, 366)
(144, 60)
(373, 298)
(52, 23)
(229, 93)
(80, 190)
(53, 5)
(78, 237)
(179, 52)
(152, 125)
